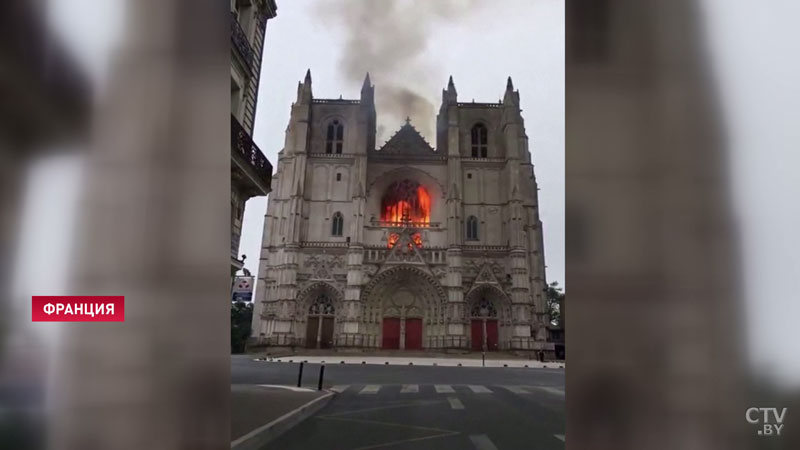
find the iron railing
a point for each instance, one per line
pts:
(242, 144)
(241, 43)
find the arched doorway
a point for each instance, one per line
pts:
(489, 318)
(319, 326)
(318, 308)
(404, 310)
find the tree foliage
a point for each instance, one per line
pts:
(555, 298)
(241, 318)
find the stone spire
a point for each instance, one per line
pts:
(450, 95)
(367, 91)
(511, 97)
(304, 94)
(367, 83)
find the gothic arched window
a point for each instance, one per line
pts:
(337, 224)
(334, 140)
(322, 306)
(480, 141)
(472, 228)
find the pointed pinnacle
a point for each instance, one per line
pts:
(510, 85)
(367, 82)
(308, 76)
(450, 85)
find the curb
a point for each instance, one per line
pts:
(531, 365)
(266, 433)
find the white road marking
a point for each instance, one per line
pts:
(455, 403)
(371, 389)
(340, 388)
(551, 390)
(410, 389)
(560, 437)
(444, 389)
(516, 389)
(482, 442)
(288, 388)
(479, 389)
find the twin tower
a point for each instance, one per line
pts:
(405, 246)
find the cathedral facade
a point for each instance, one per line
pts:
(405, 246)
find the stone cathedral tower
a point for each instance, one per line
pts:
(403, 246)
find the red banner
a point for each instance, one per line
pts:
(79, 308)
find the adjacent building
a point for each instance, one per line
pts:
(406, 246)
(251, 172)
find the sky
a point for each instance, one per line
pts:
(481, 48)
(750, 47)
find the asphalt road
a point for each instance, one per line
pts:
(421, 407)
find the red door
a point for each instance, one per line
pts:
(413, 334)
(477, 334)
(391, 333)
(491, 335)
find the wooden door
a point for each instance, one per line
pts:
(391, 333)
(311, 332)
(413, 334)
(492, 341)
(327, 333)
(477, 334)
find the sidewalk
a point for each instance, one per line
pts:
(260, 413)
(427, 360)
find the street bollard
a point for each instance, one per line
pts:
(483, 359)
(321, 376)
(300, 376)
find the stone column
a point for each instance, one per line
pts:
(353, 329)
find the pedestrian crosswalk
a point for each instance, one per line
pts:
(479, 389)
(410, 389)
(370, 389)
(373, 389)
(444, 389)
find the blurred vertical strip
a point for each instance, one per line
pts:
(656, 340)
(45, 102)
(154, 227)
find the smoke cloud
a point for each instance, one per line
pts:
(389, 39)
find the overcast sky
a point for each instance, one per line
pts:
(523, 39)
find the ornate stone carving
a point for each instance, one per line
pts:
(323, 266)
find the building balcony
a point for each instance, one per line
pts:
(242, 44)
(251, 172)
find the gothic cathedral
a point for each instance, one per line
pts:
(406, 246)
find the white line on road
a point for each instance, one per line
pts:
(444, 389)
(516, 389)
(560, 437)
(371, 389)
(551, 390)
(288, 388)
(340, 388)
(482, 442)
(410, 389)
(479, 389)
(455, 403)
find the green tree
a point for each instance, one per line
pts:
(555, 298)
(241, 318)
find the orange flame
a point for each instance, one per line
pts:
(409, 202)
(416, 209)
